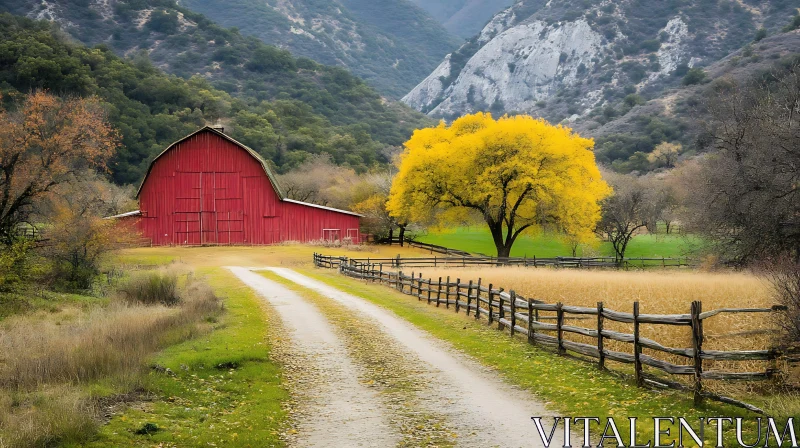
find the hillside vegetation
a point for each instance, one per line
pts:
(611, 70)
(283, 107)
(391, 44)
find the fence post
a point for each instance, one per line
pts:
(513, 312)
(380, 273)
(697, 345)
(419, 287)
(530, 321)
(601, 363)
(430, 285)
(400, 281)
(559, 325)
(447, 294)
(637, 349)
(411, 283)
(502, 310)
(478, 301)
(491, 312)
(439, 292)
(469, 296)
(458, 290)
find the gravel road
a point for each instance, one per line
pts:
(481, 409)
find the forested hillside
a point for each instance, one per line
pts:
(391, 44)
(305, 109)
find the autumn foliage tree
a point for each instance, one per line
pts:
(43, 142)
(516, 173)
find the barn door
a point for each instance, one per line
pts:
(187, 208)
(229, 208)
(208, 209)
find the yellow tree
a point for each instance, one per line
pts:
(517, 173)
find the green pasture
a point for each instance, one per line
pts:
(478, 240)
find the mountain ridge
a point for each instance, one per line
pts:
(585, 63)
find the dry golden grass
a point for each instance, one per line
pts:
(46, 361)
(658, 292)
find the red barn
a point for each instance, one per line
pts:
(207, 188)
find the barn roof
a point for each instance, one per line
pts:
(255, 155)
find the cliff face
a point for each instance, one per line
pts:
(566, 61)
(518, 68)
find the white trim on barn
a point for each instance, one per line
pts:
(125, 215)
(322, 207)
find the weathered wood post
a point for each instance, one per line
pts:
(530, 321)
(447, 294)
(513, 312)
(411, 284)
(601, 363)
(400, 281)
(469, 297)
(458, 291)
(637, 348)
(559, 329)
(430, 286)
(491, 312)
(502, 311)
(380, 274)
(439, 292)
(419, 287)
(478, 301)
(697, 346)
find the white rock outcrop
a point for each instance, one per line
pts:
(515, 69)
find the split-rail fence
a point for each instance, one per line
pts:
(533, 319)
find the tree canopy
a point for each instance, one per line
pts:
(517, 174)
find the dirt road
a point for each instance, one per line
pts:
(480, 409)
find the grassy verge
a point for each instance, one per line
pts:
(478, 240)
(569, 386)
(385, 368)
(222, 389)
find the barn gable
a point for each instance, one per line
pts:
(207, 188)
(254, 154)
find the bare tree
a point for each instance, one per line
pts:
(627, 211)
(746, 196)
(318, 180)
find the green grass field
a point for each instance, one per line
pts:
(478, 240)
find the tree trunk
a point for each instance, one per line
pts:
(503, 251)
(402, 235)
(391, 234)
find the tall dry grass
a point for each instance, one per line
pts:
(45, 362)
(658, 292)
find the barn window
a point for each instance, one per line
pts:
(352, 235)
(331, 234)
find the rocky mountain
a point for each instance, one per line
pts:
(463, 18)
(392, 44)
(569, 59)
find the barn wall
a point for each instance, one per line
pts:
(208, 190)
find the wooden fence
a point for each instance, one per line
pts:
(535, 262)
(519, 315)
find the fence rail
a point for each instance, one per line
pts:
(535, 262)
(520, 315)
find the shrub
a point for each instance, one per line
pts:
(784, 276)
(152, 288)
(694, 76)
